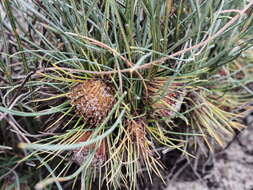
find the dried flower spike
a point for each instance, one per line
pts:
(81, 154)
(138, 135)
(93, 100)
(168, 104)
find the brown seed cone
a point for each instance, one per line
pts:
(137, 131)
(165, 105)
(93, 100)
(81, 154)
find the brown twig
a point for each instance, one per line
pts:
(231, 11)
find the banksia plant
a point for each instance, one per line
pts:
(95, 94)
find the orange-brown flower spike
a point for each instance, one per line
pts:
(81, 154)
(93, 100)
(138, 135)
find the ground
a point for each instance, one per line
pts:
(232, 168)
